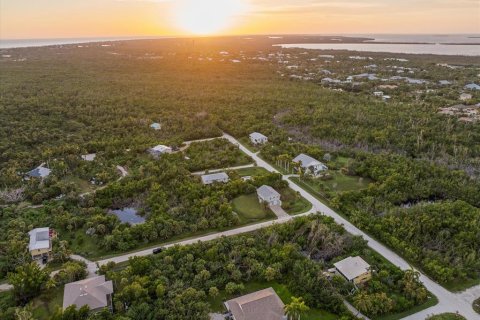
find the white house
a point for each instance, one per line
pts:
(465, 96)
(215, 177)
(267, 194)
(378, 93)
(310, 165)
(89, 157)
(40, 244)
(156, 126)
(258, 138)
(159, 150)
(472, 86)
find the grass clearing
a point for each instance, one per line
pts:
(446, 316)
(250, 210)
(293, 203)
(82, 185)
(252, 171)
(314, 314)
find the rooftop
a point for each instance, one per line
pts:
(352, 267)
(257, 136)
(261, 305)
(267, 192)
(92, 292)
(40, 172)
(214, 177)
(306, 160)
(39, 239)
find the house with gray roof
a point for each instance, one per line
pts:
(39, 172)
(159, 150)
(310, 165)
(96, 293)
(258, 138)
(267, 194)
(219, 177)
(156, 126)
(260, 305)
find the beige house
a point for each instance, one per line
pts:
(96, 293)
(354, 269)
(261, 305)
(40, 245)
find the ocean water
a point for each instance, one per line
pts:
(458, 44)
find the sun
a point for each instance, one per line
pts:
(205, 17)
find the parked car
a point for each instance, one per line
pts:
(157, 250)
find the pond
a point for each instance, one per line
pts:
(128, 215)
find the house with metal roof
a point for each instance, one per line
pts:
(258, 138)
(96, 293)
(159, 150)
(310, 165)
(268, 195)
(39, 172)
(260, 305)
(219, 177)
(40, 244)
(354, 269)
(472, 86)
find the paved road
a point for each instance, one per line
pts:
(199, 173)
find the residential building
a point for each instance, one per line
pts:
(156, 126)
(465, 96)
(96, 293)
(89, 157)
(472, 86)
(267, 194)
(260, 305)
(258, 138)
(310, 165)
(160, 149)
(39, 172)
(40, 244)
(215, 177)
(354, 269)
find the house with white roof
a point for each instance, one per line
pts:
(159, 150)
(96, 293)
(260, 305)
(219, 177)
(156, 126)
(39, 172)
(310, 165)
(465, 96)
(354, 269)
(258, 138)
(89, 157)
(268, 195)
(40, 244)
(472, 86)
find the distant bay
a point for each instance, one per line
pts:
(437, 49)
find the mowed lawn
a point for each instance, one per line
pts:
(340, 182)
(282, 291)
(250, 210)
(293, 203)
(252, 171)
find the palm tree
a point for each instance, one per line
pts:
(296, 308)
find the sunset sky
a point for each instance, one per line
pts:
(108, 18)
